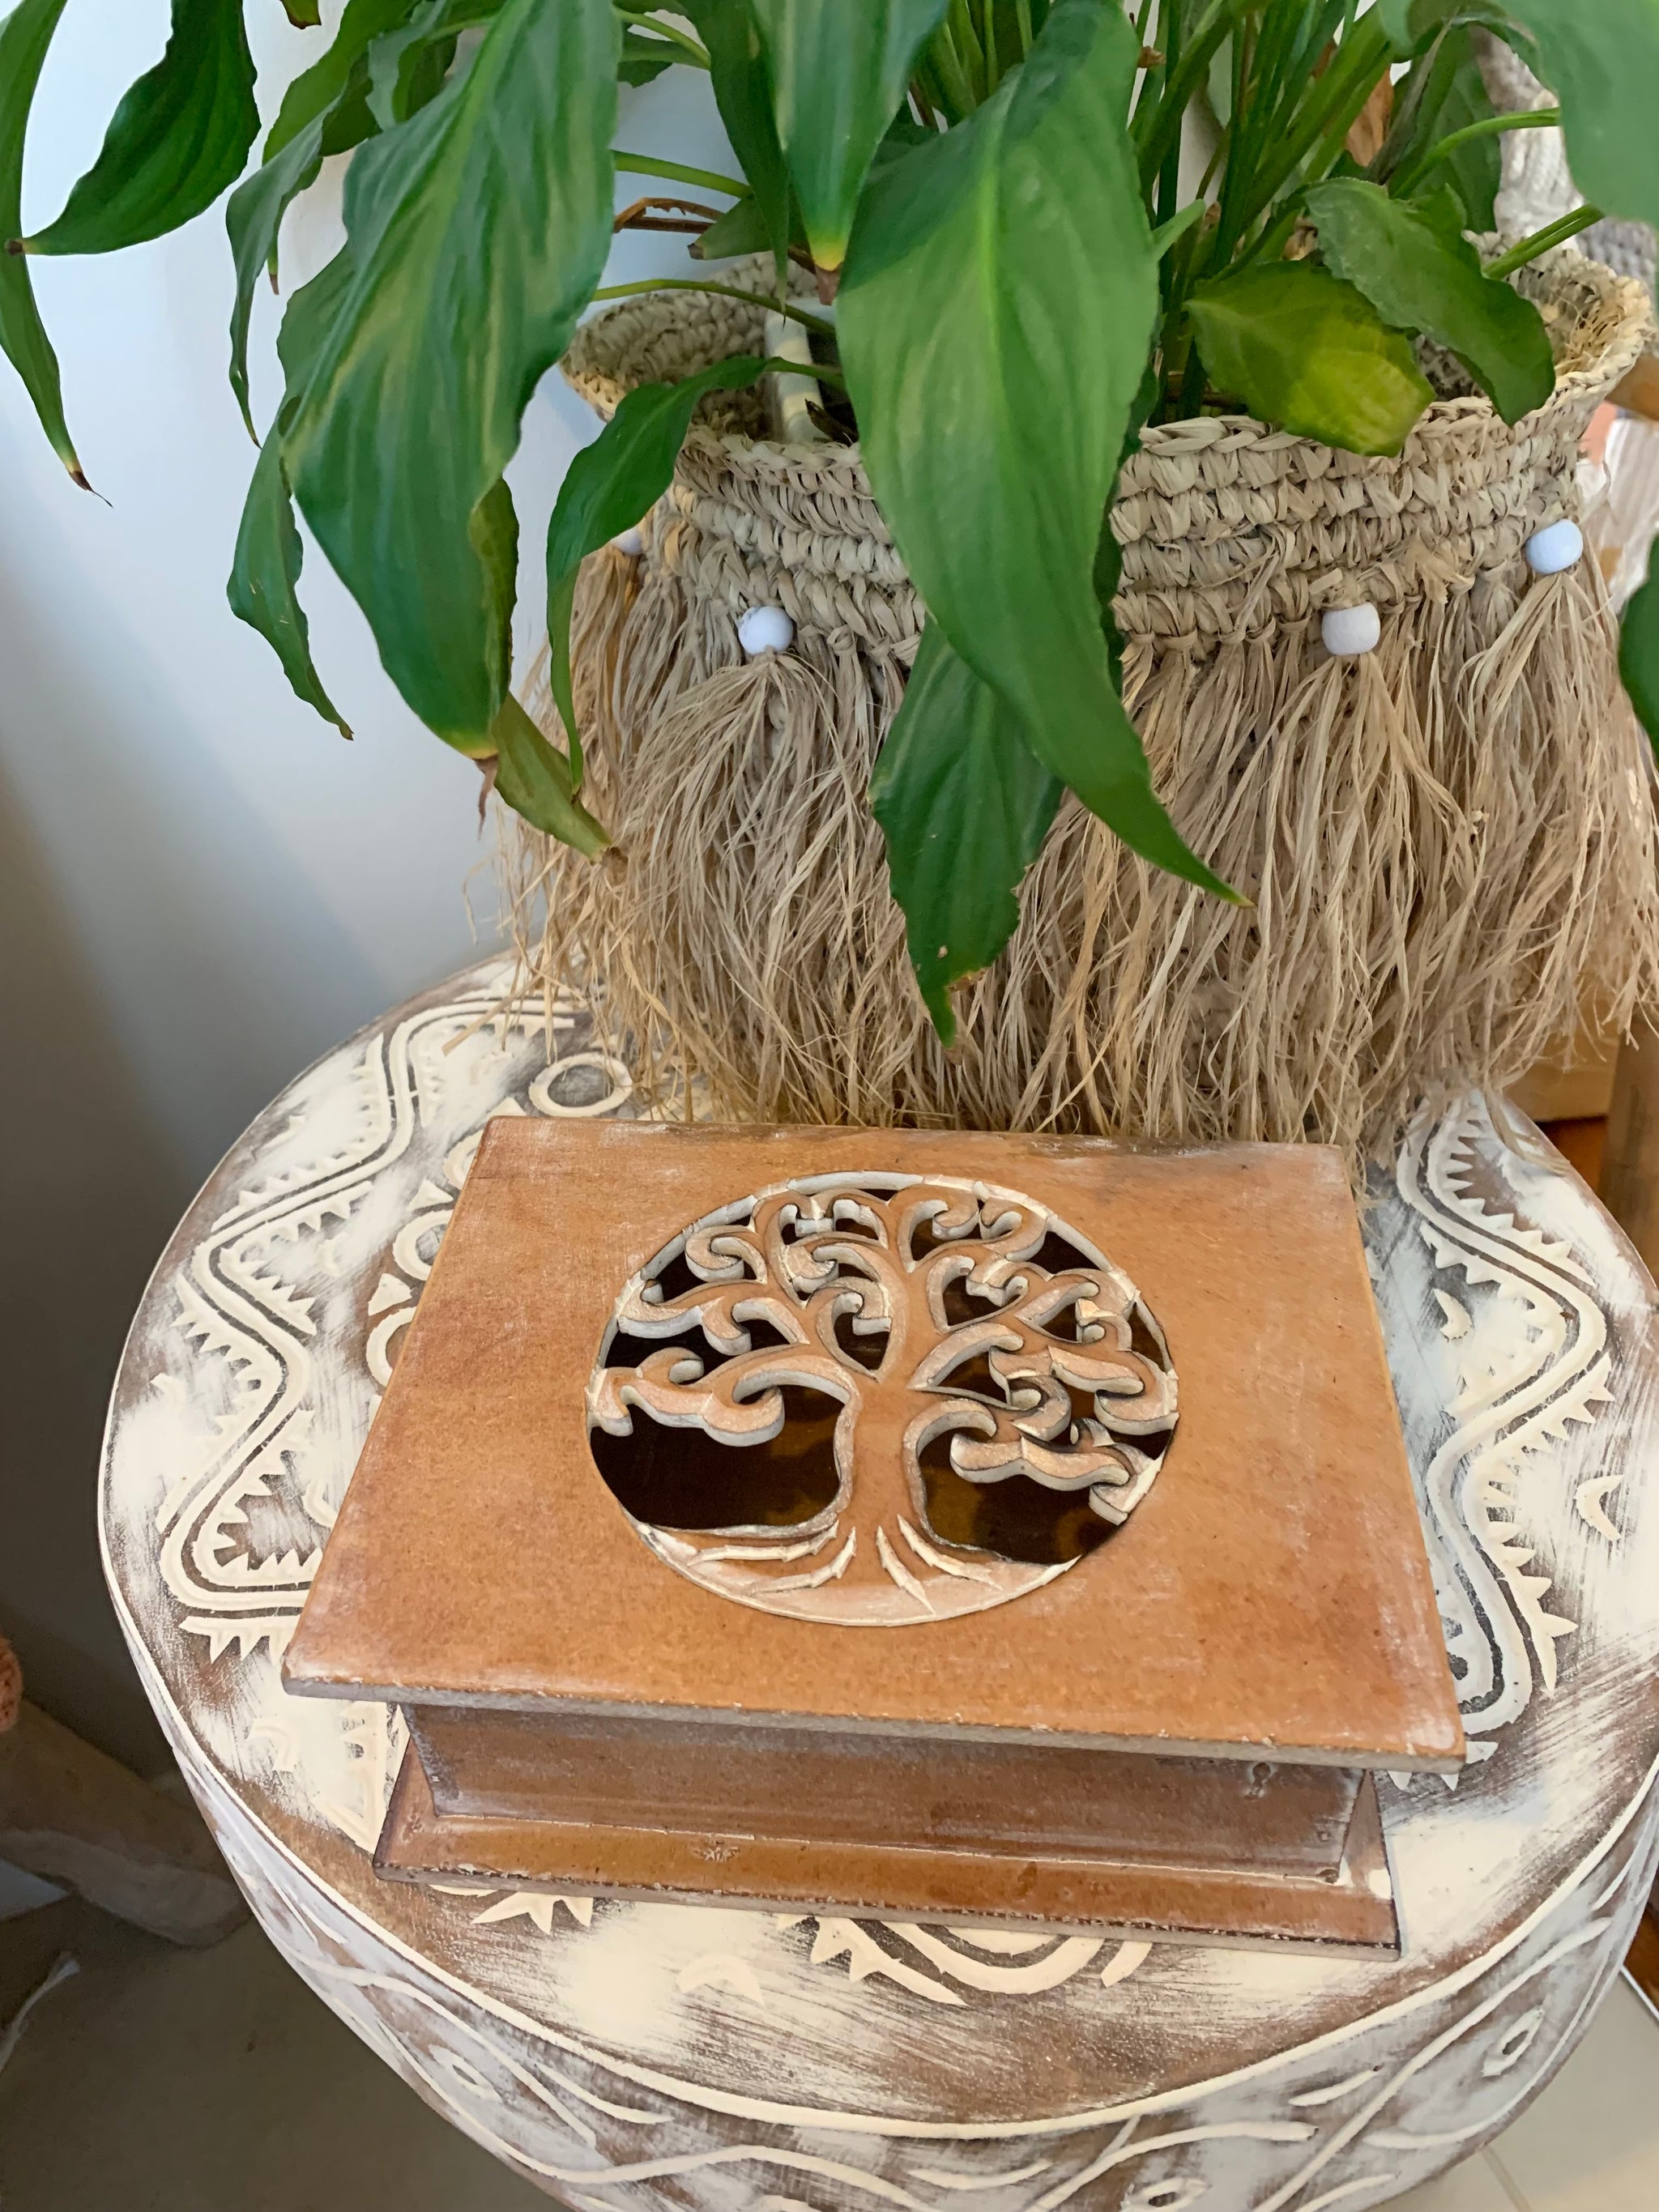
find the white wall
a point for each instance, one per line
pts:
(202, 886)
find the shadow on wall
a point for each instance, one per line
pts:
(88, 1196)
(165, 966)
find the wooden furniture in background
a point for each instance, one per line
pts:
(74, 1816)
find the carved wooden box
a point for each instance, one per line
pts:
(978, 1527)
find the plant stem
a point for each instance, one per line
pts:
(824, 329)
(1554, 234)
(695, 51)
(952, 78)
(649, 165)
(1532, 119)
(988, 40)
(1186, 69)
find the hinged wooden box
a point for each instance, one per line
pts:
(948, 1525)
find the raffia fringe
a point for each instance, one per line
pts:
(1448, 843)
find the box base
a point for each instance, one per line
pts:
(1228, 1908)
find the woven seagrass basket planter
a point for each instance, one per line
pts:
(1448, 842)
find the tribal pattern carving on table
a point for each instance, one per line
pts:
(636, 2055)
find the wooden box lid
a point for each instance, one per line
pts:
(1268, 1593)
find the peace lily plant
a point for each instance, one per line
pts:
(989, 191)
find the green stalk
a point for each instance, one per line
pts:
(953, 84)
(825, 330)
(1167, 168)
(694, 49)
(959, 28)
(1346, 87)
(677, 173)
(988, 40)
(1554, 234)
(1164, 130)
(1532, 119)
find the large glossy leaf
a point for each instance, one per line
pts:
(608, 486)
(534, 778)
(407, 65)
(254, 215)
(1423, 275)
(742, 92)
(478, 231)
(1302, 348)
(1601, 59)
(965, 805)
(180, 135)
(838, 76)
(264, 576)
(994, 321)
(1638, 653)
(315, 90)
(25, 36)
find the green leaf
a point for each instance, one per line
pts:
(1601, 59)
(965, 805)
(741, 229)
(1176, 228)
(1305, 350)
(307, 322)
(534, 778)
(1638, 654)
(839, 75)
(993, 349)
(180, 135)
(254, 212)
(25, 35)
(478, 231)
(742, 94)
(315, 90)
(407, 66)
(264, 576)
(1450, 94)
(644, 59)
(1420, 274)
(609, 485)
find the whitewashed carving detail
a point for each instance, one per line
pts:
(1533, 1362)
(924, 1310)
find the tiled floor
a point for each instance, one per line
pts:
(164, 2081)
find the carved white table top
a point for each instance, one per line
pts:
(635, 2055)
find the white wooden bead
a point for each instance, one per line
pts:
(1350, 631)
(630, 541)
(765, 629)
(1557, 546)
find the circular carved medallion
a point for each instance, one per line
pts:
(875, 1400)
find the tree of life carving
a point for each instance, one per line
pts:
(923, 1309)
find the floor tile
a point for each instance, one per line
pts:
(1474, 2186)
(1591, 2142)
(167, 2081)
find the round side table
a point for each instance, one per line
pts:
(634, 2057)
